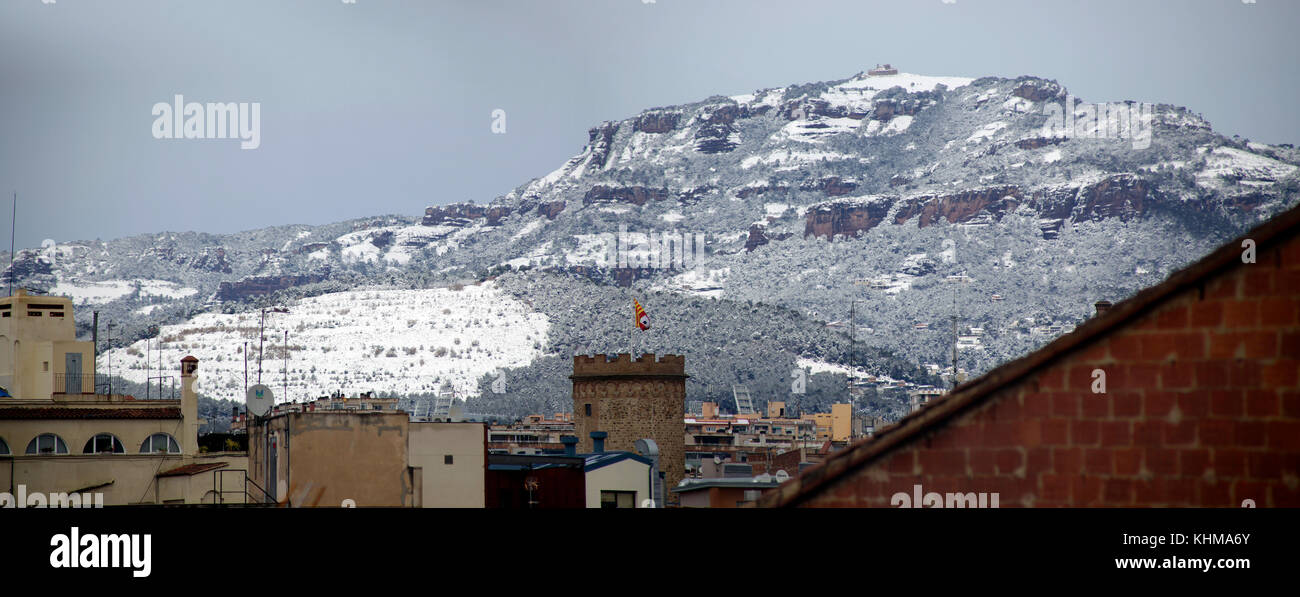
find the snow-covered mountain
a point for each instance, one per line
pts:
(984, 213)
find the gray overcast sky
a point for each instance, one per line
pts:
(385, 106)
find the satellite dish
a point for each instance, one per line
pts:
(259, 400)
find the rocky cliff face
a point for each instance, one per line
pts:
(256, 286)
(1122, 197)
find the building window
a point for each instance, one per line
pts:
(587, 408)
(45, 366)
(617, 499)
(47, 443)
(4, 447)
(103, 443)
(446, 459)
(159, 443)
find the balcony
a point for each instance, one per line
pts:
(84, 383)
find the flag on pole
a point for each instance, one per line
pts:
(640, 319)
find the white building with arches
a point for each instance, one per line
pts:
(59, 435)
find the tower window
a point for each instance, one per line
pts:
(588, 409)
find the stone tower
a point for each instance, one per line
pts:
(630, 400)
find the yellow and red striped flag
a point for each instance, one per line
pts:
(639, 318)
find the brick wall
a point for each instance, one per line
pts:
(1201, 408)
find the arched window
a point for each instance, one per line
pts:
(47, 443)
(4, 447)
(160, 443)
(103, 443)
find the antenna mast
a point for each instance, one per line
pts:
(12, 229)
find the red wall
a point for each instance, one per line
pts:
(1202, 408)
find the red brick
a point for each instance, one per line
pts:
(1215, 495)
(1291, 404)
(1052, 379)
(1290, 253)
(1159, 404)
(1193, 463)
(981, 461)
(1009, 460)
(1126, 404)
(1172, 318)
(1290, 348)
(1264, 465)
(1229, 462)
(1262, 403)
(903, 462)
(1227, 403)
(1128, 461)
(1281, 496)
(1287, 283)
(1067, 461)
(1162, 462)
(1281, 374)
(1180, 491)
(1177, 376)
(1116, 433)
(1142, 376)
(1002, 433)
(1148, 433)
(1207, 314)
(1182, 433)
(1194, 405)
(1038, 460)
(1224, 287)
(1007, 409)
(1216, 432)
(1118, 492)
(1086, 491)
(1056, 432)
(1057, 488)
(1080, 378)
(1084, 433)
(1125, 347)
(1093, 354)
(1065, 405)
(1031, 434)
(1283, 435)
(1243, 345)
(1241, 314)
(942, 462)
(1243, 374)
(1250, 434)
(1211, 374)
(1095, 405)
(1258, 281)
(1276, 312)
(1098, 461)
(1158, 346)
(1037, 405)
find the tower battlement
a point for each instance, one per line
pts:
(623, 364)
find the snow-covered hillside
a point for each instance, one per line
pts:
(394, 341)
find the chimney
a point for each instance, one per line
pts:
(570, 444)
(598, 441)
(189, 406)
(1102, 307)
